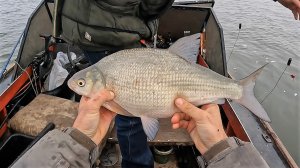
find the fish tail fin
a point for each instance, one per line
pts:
(248, 99)
(187, 47)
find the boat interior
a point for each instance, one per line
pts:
(28, 111)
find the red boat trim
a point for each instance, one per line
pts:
(10, 92)
(234, 123)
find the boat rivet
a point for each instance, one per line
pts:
(267, 138)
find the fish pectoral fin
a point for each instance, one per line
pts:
(150, 126)
(115, 107)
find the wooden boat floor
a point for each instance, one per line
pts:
(165, 136)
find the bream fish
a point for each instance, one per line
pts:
(146, 82)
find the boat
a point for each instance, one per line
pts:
(21, 89)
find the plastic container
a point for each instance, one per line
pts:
(162, 153)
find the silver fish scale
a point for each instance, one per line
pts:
(146, 81)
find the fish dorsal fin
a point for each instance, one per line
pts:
(150, 126)
(187, 47)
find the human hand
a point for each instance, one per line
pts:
(94, 120)
(293, 5)
(204, 125)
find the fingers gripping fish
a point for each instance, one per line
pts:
(146, 82)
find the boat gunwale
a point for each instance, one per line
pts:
(26, 30)
(267, 126)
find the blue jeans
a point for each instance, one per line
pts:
(131, 136)
(133, 143)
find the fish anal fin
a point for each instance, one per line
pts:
(150, 126)
(206, 101)
(219, 101)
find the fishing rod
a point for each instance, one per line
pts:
(240, 27)
(10, 56)
(287, 64)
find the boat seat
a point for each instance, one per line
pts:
(43, 109)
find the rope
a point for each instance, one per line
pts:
(35, 91)
(10, 56)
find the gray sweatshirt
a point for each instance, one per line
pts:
(71, 148)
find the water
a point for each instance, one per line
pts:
(268, 34)
(13, 19)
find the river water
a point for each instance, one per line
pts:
(269, 34)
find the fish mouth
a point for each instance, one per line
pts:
(72, 85)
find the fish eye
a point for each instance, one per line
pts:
(81, 82)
